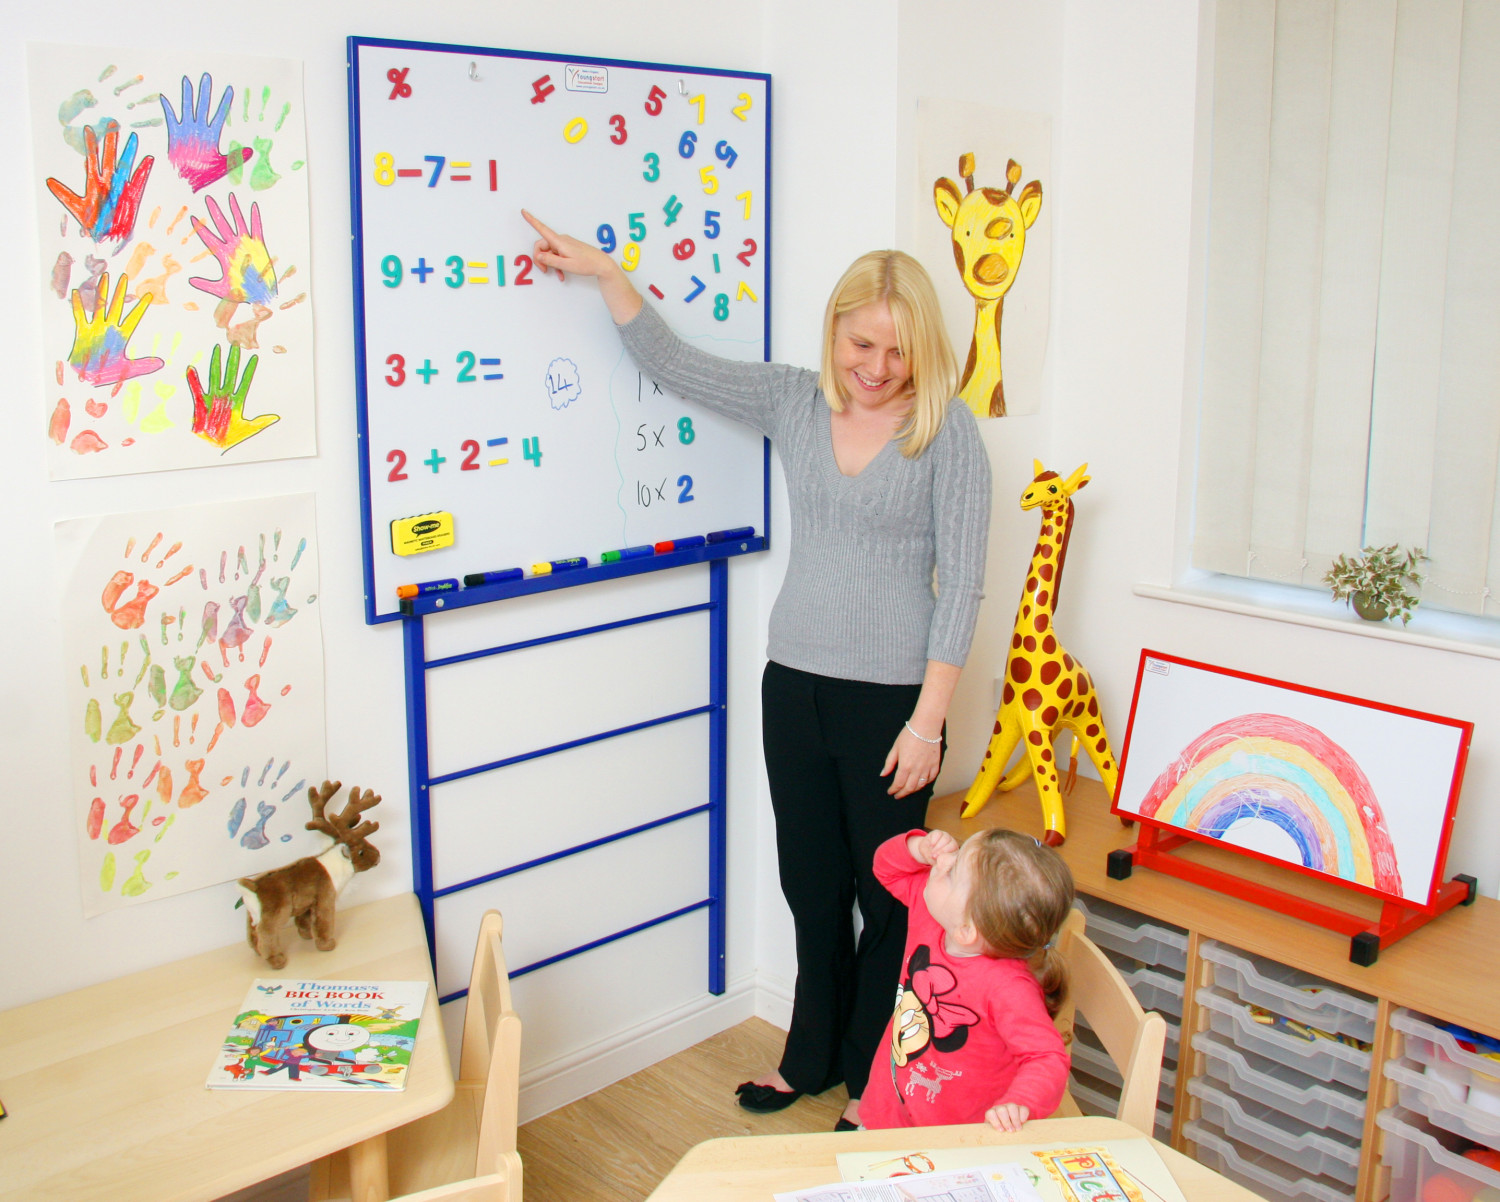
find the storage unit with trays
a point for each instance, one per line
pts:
(1442, 1135)
(1152, 957)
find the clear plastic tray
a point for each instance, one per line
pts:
(1090, 1056)
(1433, 1100)
(1317, 1104)
(1292, 993)
(1259, 1171)
(1430, 1044)
(1131, 934)
(1416, 1156)
(1174, 1035)
(1303, 1151)
(1095, 1097)
(1325, 1059)
(1153, 988)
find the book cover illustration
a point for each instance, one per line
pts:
(321, 1035)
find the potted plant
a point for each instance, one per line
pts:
(1375, 581)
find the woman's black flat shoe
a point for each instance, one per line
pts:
(765, 1099)
(845, 1125)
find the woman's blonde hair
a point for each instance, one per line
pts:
(901, 283)
(1020, 893)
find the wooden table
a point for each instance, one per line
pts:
(105, 1086)
(752, 1168)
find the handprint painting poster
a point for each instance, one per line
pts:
(172, 212)
(194, 660)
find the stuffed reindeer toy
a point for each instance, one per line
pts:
(307, 889)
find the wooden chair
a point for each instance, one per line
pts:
(1133, 1037)
(473, 1138)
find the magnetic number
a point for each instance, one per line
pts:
(605, 236)
(523, 270)
(631, 258)
(653, 168)
(619, 136)
(385, 169)
(727, 153)
(745, 255)
(466, 376)
(743, 107)
(671, 209)
(532, 449)
(653, 100)
(437, 162)
(575, 129)
(500, 270)
(721, 307)
(710, 180)
(397, 460)
(711, 223)
(686, 484)
(685, 431)
(390, 267)
(684, 249)
(455, 276)
(698, 100)
(637, 227)
(745, 196)
(471, 454)
(687, 143)
(397, 364)
(698, 287)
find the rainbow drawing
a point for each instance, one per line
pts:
(1271, 768)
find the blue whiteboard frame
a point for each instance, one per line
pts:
(594, 572)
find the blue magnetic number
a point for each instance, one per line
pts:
(711, 223)
(686, 484)
(726, 152)
(437, 162)
(687, 143)
(606, 238)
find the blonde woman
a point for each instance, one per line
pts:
(888, 483)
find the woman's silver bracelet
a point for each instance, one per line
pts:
(923, 738)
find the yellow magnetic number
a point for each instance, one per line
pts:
(743, 107)
(630, 258)
(710, 180)
(385, 169)
(745, 196)
(744, 292)
(575, 129)
(698, 100)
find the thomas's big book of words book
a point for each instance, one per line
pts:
(321, 1035)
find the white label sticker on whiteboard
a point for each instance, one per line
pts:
(498, 393)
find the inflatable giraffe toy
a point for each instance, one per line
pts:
(989, 238)
(1046, 690)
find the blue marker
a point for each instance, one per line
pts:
(728, 536)
(477, 578)
(426, 588)
(627, 553)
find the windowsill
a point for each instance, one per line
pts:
(1459, 633)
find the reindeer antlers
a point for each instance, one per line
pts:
(340, 827)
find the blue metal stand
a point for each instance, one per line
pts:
(422, 781)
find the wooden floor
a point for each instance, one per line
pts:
(617, 1144)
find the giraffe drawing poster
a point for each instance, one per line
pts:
(172, 215)
(983, 231)
(194, 661)
(1353, 790)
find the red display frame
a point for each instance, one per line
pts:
(1399, 915)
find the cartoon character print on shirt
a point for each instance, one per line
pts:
(924, 1019)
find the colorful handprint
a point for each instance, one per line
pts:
(193, 139)
(219, 410)
(111, 191)
(100, 339)
(249, 274)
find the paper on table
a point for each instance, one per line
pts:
(983, 1183)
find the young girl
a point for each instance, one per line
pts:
(972, 1037)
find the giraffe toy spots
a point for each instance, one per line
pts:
(989, 238)
(1046, 690)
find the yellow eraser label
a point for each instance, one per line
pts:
(425, 532)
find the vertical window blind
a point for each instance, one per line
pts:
(1350, 389)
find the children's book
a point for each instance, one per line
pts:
(321, 1035)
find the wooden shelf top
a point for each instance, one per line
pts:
(1445, 969)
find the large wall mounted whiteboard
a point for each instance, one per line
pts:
(500, 395)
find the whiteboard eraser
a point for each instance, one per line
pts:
(424, 532)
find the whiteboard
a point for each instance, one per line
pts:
(500, 395)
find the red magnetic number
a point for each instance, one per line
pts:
(745, 255)
(684, 249)
(471, 456)
(523, 270)
(397, 460)
(619, 136)
(654, 99)
(397, 364)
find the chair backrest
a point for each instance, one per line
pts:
(1133, 1037)
(490, 1057)
(504, 1186)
